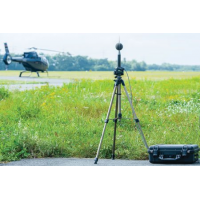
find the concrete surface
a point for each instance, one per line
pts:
(28, 86)
(86, 162)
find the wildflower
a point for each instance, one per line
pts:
(44, 104)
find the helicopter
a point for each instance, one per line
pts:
(30, 60)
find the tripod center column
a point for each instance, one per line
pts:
(119, 102)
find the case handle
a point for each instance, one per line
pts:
(177, 158)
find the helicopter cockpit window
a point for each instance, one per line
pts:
(26, 55)
(34, 55)
(30, 55)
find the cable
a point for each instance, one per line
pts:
(129, 86)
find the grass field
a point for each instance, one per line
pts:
(67, 121)
(149, 75)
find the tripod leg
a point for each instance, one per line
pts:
(106, 122)
(136, 119)
(115, 126)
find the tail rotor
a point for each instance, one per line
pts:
(7, 59)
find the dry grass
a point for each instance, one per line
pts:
(148, 75)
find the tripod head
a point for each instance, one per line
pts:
(119, 71)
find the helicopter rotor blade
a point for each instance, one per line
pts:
(51, 51)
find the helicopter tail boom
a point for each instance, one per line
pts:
(6, 48)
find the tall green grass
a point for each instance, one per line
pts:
(67, 121)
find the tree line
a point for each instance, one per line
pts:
(62, 62)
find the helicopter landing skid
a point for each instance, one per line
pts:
(20, 75)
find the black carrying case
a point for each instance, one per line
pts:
(179, 154)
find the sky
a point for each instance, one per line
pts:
(158, 48)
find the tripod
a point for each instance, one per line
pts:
(119, 71)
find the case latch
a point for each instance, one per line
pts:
(155, 151)
(185, 150)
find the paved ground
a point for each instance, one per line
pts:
(84, 162)
(27, 86)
